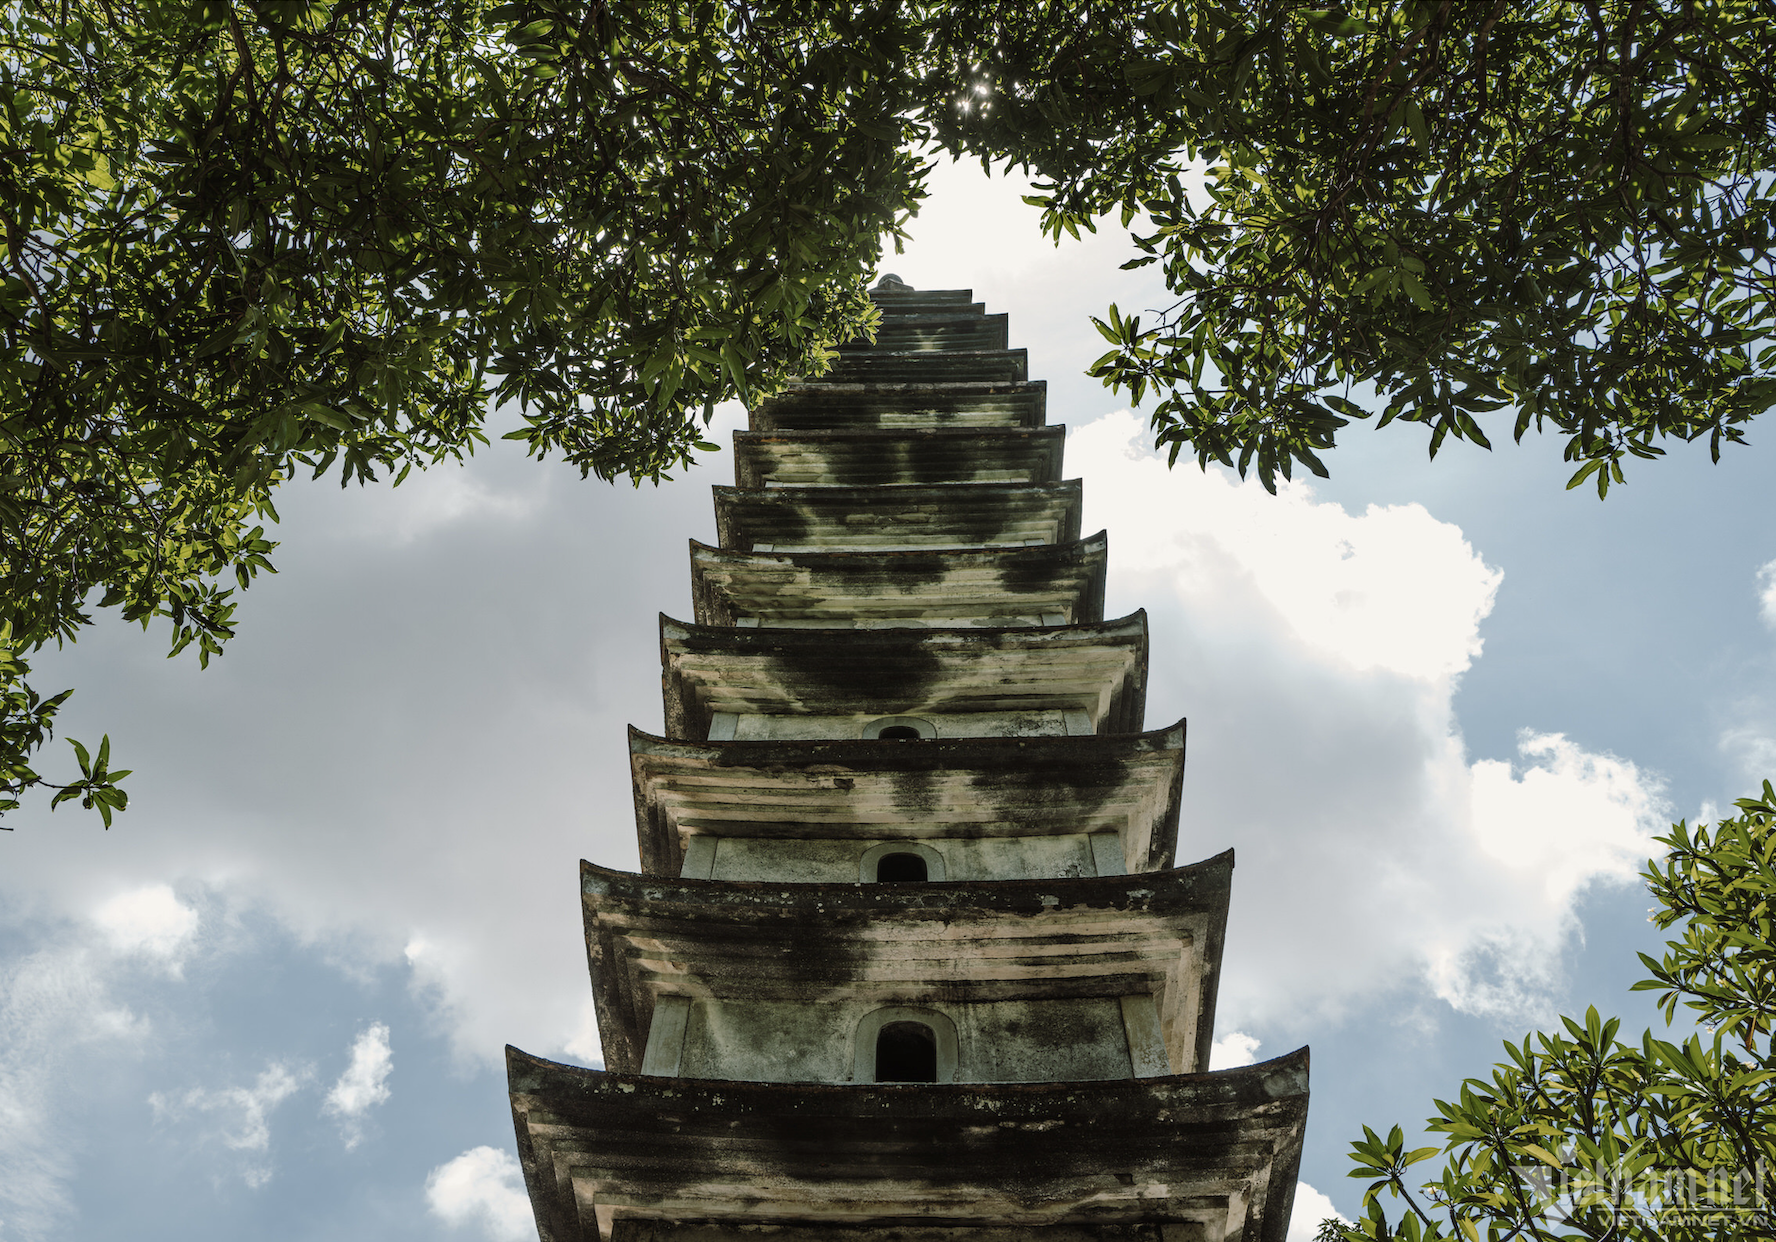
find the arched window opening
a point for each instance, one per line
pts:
(905, 1043)
(906, 1052)
(900, 862)
(899, 728)
(901, 869)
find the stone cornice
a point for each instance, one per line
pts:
(1215, 1155)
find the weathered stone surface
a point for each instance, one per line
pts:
(954, 515)
(853, 793)
(813, 860)
(898, 305)
(817, 406)
(941, 944)
(932, 329)
(1209, 1157)
(903, 299)
(936, 335)
(1076, 1039)
(897, 457)
(989, 586)
(902, 366)
(1097, 669)
(637, 1229)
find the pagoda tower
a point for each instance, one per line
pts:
(908, 957)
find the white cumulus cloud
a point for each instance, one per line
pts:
(1391, 590)
(363, 1085)
(1751, 743)
(1232, 1050)
(367, 624)
(1316, 653)
(1567, 817)
(431, 501)
(584, 1045)
(482, 1189)
(1311, 1207)
(57, 1012)
(239, 1117)
(149, 920)
(1754, 752)
(1766, 581)
(1560, 820)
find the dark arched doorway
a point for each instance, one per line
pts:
(906, 1052)
(901, 869)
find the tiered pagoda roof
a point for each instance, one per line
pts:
(1049, 584)
(908, 957)
(937, 515)
(1127, 784)
(643, 1158)
(858, 406)
(878, 457)
(1098, 670)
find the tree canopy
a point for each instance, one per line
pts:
(246, 240)
(1557, 208)
(1581, 1135)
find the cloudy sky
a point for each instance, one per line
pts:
(1439, 709)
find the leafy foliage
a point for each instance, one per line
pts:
(1580, 1135)
(248, 238)
(1558, 207)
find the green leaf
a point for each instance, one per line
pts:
(1541, 1153)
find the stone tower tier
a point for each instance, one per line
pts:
(912, 366)
(722, 683)
(1044, 584)
(1188, 1158)
(817, 406)
(948, 327)
(1105, 977)
(983, 808)
(953, 515)
(898, 456)
(905, 300)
